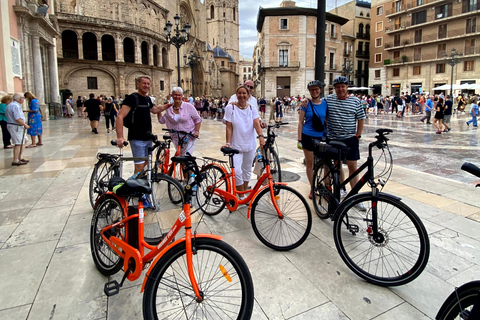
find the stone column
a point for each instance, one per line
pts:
(37, 70)
(150, 54)
(138, 51)
(52, 67)
(80, 48)
(119, 48)
(99, 49)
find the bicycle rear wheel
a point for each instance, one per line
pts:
(168, 195)
(209, 202)
(103, 171)
(322, 190)
(460, 303)
(398, 256)
(108, 212)
(281, 233)
(221, 273)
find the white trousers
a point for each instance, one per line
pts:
(243, 166)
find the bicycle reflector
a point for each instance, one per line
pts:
(225, 273)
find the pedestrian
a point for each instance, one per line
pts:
(271, 118)
(345, 120)
(428, 110)
(140, 128)
(278, 111)
(447, 114)
(474, 114)
(79, 106)
(438, 118)
(311, 125)
(181, 116)
(69, 104)
(34, 120)
(16, 126)
(462, 103)
(242, 129)
(110, 112)
(263, 107)
(6, 99)
(92, 107)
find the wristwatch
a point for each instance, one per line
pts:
(358, 136)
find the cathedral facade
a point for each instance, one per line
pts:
(106, 44)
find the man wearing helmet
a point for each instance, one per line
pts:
(345, 117)
(311, 125)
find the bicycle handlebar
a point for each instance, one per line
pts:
(178, 132)
(114, 143)
(471, 168)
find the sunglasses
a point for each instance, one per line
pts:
(251, 87)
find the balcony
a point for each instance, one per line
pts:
(363, 35)
(362, 54)
(472, 50)
(283, 64)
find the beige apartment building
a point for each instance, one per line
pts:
(245, 67)
(413, 41)
(285, 51)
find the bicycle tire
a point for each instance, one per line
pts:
(281, 233)
(176, 173)
(399, 257)
(322, 197)
(168, 283)
(102, 173)
(159, 161)
(460, 302)
(108, 212)
(275, 167)
(164, 188)
(206, 199)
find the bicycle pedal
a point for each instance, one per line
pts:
(111, 288)
(353, 228)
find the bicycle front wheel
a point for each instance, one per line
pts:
(108, 212)
(275, 168)
(176, 172)
(221, 273)
(103, 171)
(168, 195)
(460, 303)
(400, 253)
(211, 203)
(322, 190)
(284, 232)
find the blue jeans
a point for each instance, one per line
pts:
(474, 120)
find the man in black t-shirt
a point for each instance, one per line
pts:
(92, 107)
(447, 114)
(137, 133)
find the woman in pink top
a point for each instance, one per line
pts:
(181, 116)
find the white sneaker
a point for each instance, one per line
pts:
(360, 206)
(215, 119)
(343, 193)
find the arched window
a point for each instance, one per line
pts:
(144, 53)
(155, 55)
(234, 14)
(129, 50)
(367, 29)
(360, 28)
(164, 58)
(69, 44)
(90, 51)
(108, 48)
(212, 12)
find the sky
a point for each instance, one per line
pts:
(248, 11)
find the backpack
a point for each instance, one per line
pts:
(129, 119)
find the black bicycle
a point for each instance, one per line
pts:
(378, 236)
(464, 302)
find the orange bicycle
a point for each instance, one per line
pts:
(198, 276)
(280, 215)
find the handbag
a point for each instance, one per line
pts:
(316, 121)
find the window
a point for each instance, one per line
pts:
(378, 57)
(212, 12)
(223, 64)
(162, 85)
(249, 69)
(379, 26)
(396, 40)
(377, 74)
(470, 5)
(234, 14)
(468, 65)
(443, 11)
(441, 50)
(396, 72)
(378, 42)
(471, 25)
(419, 2)
(92, 83)
(419, 17)
(332, 31)
(283, 58)
(397, 6)
(442, 31)
(330, 78)
(398, 23)
(379, 11)
(284, 24)
(469, 46)
(417, 54)
(224, 14)
(440, 68)
(396, 55)
(332, 60)
(417, 70)
(16, 61)
(418, 35)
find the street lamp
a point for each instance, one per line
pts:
(180, 37)
(452, 60)
(347, 68)
(192, 60)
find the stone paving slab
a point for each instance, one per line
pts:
(48, 273)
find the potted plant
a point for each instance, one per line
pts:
(404, 58)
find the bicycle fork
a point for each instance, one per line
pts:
(372, 228)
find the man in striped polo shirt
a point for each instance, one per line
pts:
(345, 117)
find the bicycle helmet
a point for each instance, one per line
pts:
(340, 79)
(315, 83)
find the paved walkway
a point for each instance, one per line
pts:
(47, 271)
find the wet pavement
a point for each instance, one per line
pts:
(47, 271)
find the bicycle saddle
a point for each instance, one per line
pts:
(229, 151)
(167, 137)
(130, 187)
(183, 159)
(382, 131)
(337, 144)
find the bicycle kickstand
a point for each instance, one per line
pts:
(111, 288)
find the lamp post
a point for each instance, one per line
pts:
(192, 60)
(180, 37)
(452, 60)
(347, 68)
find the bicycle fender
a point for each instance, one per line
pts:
(347, 201)
(202, 235)
(112, 195)
(258, 191)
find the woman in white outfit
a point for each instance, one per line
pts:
(243, 127)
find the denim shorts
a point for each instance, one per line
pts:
(140, 149)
